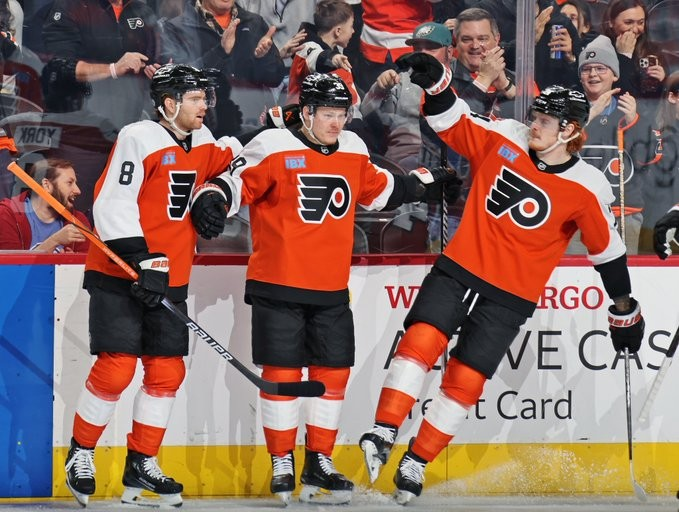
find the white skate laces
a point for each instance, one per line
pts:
(82, 463)
(412, 470)
(386, 433)
(326, 464)
(283, 465)
(408, 479)
(153, 469)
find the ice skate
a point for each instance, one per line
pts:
(283, 476)
(80, 472)
(322, 482)
(408, 478)
(143, 473)
(376, 444)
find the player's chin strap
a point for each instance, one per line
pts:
(172, 120)
(310, 129)
(559, 140)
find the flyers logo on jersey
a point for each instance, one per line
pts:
(181, 185)
(526, 204)
(322, 194)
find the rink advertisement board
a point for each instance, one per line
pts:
(557, 399)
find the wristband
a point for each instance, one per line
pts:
(443, 82)
(112, 69)
(625, 318)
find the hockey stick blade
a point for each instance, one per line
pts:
(659, 377)
(304, 388)
(638, 490)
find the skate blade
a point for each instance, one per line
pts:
(372, 463)
(402, 497)
(82, 499)
(285, 497)
(313, 494)
(132, 496)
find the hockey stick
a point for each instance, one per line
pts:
(444, 202)
(638, 490)
(304, 388)
(621, 176)
(659, 377)
(621, 171)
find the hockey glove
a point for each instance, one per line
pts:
(427, 72)
(627, 327)
(153, 278)
(429, 184)
(668, 222)
(282, 117)
(209, 207)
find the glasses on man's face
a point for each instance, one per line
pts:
(588, 70)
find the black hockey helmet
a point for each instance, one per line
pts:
(564, 104)
(324, 90)
(176, 79)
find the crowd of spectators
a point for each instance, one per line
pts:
(74, 72)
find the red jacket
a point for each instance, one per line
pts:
(15, 230)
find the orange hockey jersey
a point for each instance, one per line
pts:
(145, 191)
(520, 213)
(302, 204)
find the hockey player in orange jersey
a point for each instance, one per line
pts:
(529, 195)
(302, 186)
(141, 211)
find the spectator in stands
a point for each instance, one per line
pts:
(28, 222)
(114, 44)
(386, 26)
(580, 14)
(642, 66)
(610, 109)
(480, 73)
(19, 67)
(661, 189)
(286, 16)
(557, 45)
(221, 34)
(65, 130)
(504, 13)
(395, 101)
(322, 52)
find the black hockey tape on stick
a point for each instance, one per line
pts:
(659, 377)
(304, 388)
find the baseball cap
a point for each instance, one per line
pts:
(431, 32)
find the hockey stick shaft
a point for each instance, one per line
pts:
(622, 128)
(659, 377)
(638, 490)
(444, 202)
(304, 388)
(621, 175)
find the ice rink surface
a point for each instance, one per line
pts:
(372, 501)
